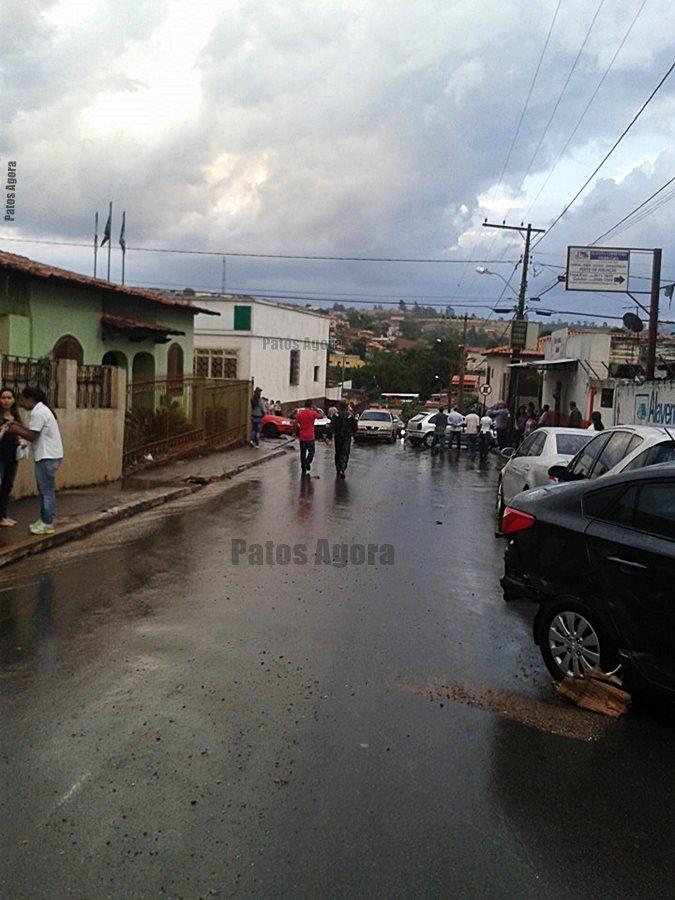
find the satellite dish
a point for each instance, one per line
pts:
(632, 322)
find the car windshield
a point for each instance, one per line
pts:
(375, 417)
(569, 444)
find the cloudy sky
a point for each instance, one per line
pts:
(340, 128)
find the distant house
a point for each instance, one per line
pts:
(47, 312)
(283, 348)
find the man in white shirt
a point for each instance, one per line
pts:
(455, 422)
(43, 432)
(471, 428)
(485, 437)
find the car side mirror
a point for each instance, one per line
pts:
(560, 473)
(507, 452)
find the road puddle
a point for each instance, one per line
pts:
(550, 716)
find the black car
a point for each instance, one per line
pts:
(599, 558)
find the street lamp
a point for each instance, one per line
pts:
(483, 270)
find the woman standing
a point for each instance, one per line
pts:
(258, 410)
(519, 430)
(9, 444)
(596, 424)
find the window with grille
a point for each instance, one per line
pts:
(294, 375)
(215, 363)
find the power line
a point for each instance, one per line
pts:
(609, 153)
(588, 105)
(637, 208)
(303, 256)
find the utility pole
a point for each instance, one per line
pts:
(224, 278)
(519, 326)
(462, 367)
(653, 315)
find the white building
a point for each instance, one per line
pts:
(284, 349)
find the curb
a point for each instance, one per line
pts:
(96, 523)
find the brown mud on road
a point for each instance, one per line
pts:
(550, 716)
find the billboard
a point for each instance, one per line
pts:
(597, 269)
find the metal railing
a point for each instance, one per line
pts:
(94, 387)
(167, 416)
(18, 372)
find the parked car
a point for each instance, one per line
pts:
(420, 429)
(376, 424)
(528, 466)
(320, 425)
(272, 425)
(624, 447)
(599, 559)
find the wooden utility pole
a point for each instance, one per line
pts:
(462, 366)
(519, 326)
(653, 315)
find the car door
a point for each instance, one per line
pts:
(515, 475)
(631, 546)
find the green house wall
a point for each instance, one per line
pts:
(35, 314)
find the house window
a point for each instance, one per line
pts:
(294, 375)
(316, 373)
(215, 363)
(242, 318)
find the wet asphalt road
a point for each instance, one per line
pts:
(177, 725)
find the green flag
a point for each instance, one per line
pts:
(668, 291)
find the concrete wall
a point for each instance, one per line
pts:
(93, 439)
(264, 352)
(650, 403)
(578, 382)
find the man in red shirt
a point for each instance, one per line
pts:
(305, 419)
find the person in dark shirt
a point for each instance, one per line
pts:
(575, 420)
(8, 446)
(343, 428)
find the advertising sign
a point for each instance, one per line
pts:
(597, 269)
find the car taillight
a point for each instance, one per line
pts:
(514, 520)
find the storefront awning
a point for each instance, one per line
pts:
(544, 364)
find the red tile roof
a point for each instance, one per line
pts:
(504, 351)
(123, 324)
(51, 273)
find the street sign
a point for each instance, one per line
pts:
(597, 269)
(485, 389)
(518, 334)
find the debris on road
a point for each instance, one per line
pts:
(596, 691)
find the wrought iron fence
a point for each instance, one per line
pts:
(19, 372)
(167, 416)
(94, 387)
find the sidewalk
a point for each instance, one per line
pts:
(81, 511)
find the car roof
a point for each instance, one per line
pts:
(644, 430)
(559, 429)
(660, 470)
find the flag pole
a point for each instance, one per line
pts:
(109, 241)
(95, 241)
(123, 241)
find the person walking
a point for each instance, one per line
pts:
(10, 447)
(440, 423)
(304, 421)
(596, 423)
(543, 420)
(343, 429)
(471, 428)
(43, 433)
(258, 410)
(575, 420)
(485, 436)
(501, 416)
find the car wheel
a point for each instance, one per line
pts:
(427, 439)
(573, 640)
(414, 442)
(270, 430)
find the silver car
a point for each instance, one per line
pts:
(376, 424)
(528, 466)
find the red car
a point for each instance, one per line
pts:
(272, 426)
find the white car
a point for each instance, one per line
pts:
(377, 424)
(420, 429)
(528, 466)
(619, 449)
